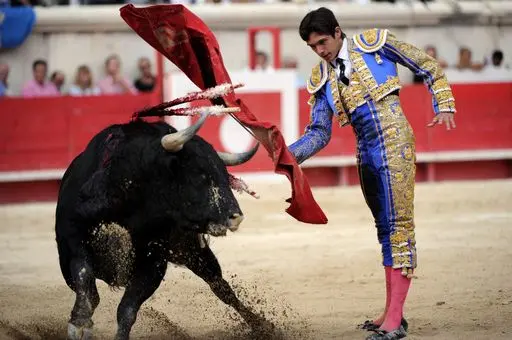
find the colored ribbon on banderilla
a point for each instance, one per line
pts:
(164, 109)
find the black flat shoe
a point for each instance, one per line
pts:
(370, 326)
(379, 334)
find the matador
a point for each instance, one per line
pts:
(356, 81)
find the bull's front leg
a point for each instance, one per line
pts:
(147, 276)
(203, 263)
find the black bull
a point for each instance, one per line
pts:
(139, 196)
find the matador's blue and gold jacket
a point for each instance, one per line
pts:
(374, 55)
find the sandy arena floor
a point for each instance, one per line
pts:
(315, 282)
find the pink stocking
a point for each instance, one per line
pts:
(381, 318)
(399, 289)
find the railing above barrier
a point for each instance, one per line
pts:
(106, 18)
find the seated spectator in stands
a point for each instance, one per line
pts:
(4, 74)
(83, 85)
(431, 51)
(39, 86)
(58, 79)
(262, 62)
(146, 81)
(115, 82)
(497, 60)
(496, 70)
(466, 62)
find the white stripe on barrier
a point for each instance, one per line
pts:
(421, 157)
(326, 161)
(31, 175)
(281, 81)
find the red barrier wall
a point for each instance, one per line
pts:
(47, 133)
(483, 119)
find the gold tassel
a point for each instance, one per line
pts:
(409, 273)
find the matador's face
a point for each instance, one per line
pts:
(326, 46)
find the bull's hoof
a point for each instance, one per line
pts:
(79, 333)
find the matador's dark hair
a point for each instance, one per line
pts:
(321, 21)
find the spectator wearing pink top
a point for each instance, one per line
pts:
(39, 86)
(115, 82)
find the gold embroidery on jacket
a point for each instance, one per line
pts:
(439, 86)
(317, 78)
(353, 96)
(371, 40)
(337, 89)
(376, 91)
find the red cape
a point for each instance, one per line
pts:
(186, 41)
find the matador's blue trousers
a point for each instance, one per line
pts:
(386, 166)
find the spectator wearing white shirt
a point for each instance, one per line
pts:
(83, 85)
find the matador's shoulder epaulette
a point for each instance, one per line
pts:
(318, 77)
(371, 40)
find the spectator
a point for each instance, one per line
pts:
(115, 82)
(58, 79)
(466, 62)
(39, 86)
(262, 62)
(496, 70)
(4, 74)
(497, 59)
(146, 82)
(83, 85)
(432, 51)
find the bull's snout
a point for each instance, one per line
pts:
(234, 221)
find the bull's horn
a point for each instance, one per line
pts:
(174, 142)
(237, 158)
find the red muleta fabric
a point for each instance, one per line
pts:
(185, 40)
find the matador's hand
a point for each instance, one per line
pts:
(443, 117)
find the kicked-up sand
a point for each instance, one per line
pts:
(312, 281)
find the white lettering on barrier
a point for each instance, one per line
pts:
(233, 137)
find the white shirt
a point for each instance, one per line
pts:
(75, 90)
(343, 54)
